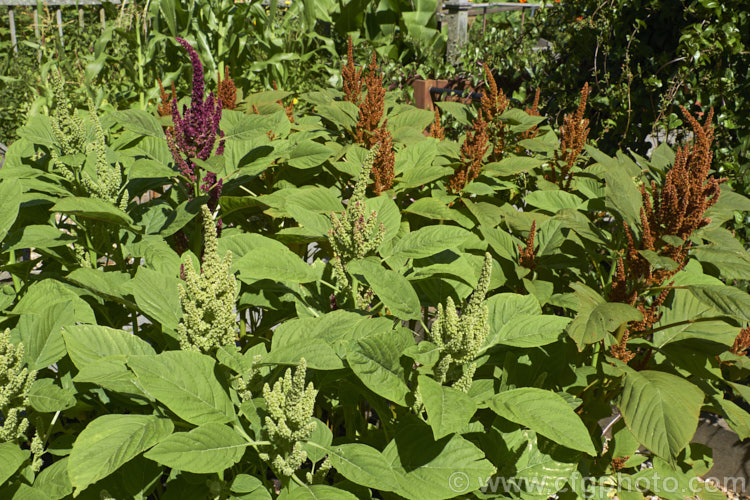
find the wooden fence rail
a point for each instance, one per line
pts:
(59, 4)
(455, 14)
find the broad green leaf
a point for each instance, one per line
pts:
(660, 409)
(553, 201)
(737, 418)
(109, 284)
(157, 295)
(140, 122)
(592, 324)
(109, 441)
(512, 165)
(727, 299)
(363, 464)
(317, 444)
(530, 331)
(308, 154)
(395, 291)
(503, 307)
(448, 409)
(89, 343)
(245, 483)
(538, 470)
(34, 236)
(10, 199)
(185, 382)
(93, 208)
(546, 413)
(42, 335)
(433, 208)
(47, 397)
(271, 263)
(54, 480)
(11, 458)
(203, 450)
(429, 469)
(316, 492)
(430, 240)
(623, 196)
(318, 354)
(375, 359)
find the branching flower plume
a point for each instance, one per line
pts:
(473, 150)
(165, 106)
(15, 383)
(533, 111)
(493, 104)
(208, 297)
(288, 109)
(67, 126)
(573, 134)
(351, 76)
(669, 216)
(527, 256)
(289, 422)
(70, 134)
(372, 107)
(195, 134)
(227, 91)
(460, 337)
(436, 129)
(741, 343)
(383, 164)
(355, 234)
(109, 184)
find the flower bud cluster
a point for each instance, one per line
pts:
(289, 422)
(355, 233)
(15, 384)
(460, 338)
(208, 297)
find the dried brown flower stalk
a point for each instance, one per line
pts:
(472, 152)
(573, 134)
(352, 78)
(493, 104)
(372, 107)
(227, 91)
(527, 256)
(620, 350)
(741, 343)
(618, 463)
(436, 129)
(289, 108)
(383, 164)
(533, 111)
(675, 210)
(165, 107)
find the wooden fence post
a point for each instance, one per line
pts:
(58, 16)
(12, 22)
(457, 21)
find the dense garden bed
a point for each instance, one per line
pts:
(334, 294)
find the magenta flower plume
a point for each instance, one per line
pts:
(195, 132)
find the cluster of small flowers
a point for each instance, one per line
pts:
(459, 338)
(354, 233)
(15, 383)
(208, 297)
(289, 421)
(195, 133)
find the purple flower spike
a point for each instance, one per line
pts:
(196, 131)
(197, 73)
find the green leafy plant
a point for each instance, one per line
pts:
(317, 334)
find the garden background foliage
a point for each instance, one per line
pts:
(217, 292)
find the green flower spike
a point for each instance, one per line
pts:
(15, 383)
(289, 423)
(460, 338)
(208, 297)
(355, 234)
